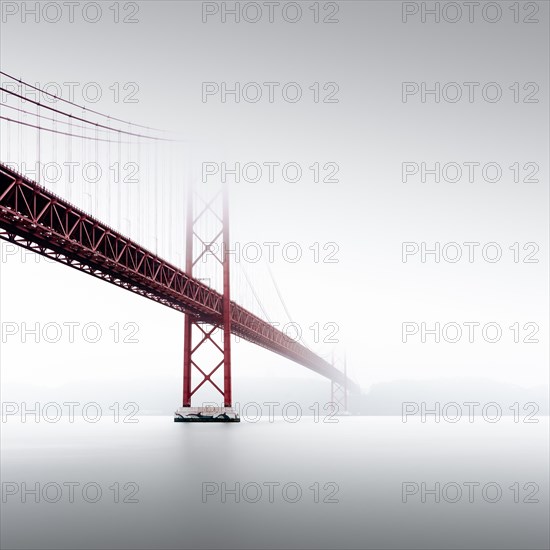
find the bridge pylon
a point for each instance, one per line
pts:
(193, 328)
(339, 392)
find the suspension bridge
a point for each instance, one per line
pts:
(98, 236)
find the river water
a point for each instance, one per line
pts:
(358, 482)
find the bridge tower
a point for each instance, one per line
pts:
(339, 392)
(198, 334)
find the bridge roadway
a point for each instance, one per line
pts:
(37, 219)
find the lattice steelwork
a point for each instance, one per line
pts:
(208, 247)
(339, 392)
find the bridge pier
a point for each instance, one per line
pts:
(206, 414)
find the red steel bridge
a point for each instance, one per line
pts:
(35, 218)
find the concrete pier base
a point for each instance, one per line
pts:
(206, 414)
